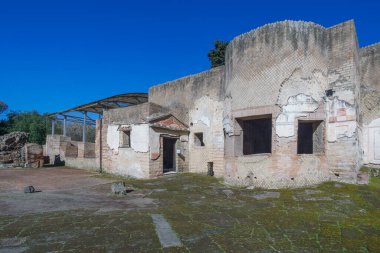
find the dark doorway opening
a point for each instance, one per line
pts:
(169, 154)
(257, 136)
(305, 138)
(310, 137)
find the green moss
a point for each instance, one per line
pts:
(207, 219)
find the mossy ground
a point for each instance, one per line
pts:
(332, 217)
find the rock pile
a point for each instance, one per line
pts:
(120, 188)
(11, 147)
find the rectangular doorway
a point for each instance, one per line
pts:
(169, 154)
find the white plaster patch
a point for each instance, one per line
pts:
(342, 122)
(297, 106)
(340, 130)
(113, 140)
(135, 170)
(202, 112)
(204, 120)
(314, 85)
(140, 138)
(346, 95)
(227, 122)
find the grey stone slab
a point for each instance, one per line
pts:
(228, 192)
(165, 233)
(312, 192)
(267, 195)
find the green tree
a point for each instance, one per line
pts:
(30, 122)
(217, 55)
(3, 107)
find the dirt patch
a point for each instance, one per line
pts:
(62, 189)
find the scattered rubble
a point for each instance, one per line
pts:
(11, 146)
(16, 152)
(119, 188)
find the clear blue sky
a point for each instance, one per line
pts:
(59, 54)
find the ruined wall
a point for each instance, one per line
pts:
(179, 95)
(82, 163)
(56, 145)
(206, 117)
(283, 70)
(343, 150)
(156, 154)
(195, 100)
(127, 161)
(370, 100)
(370, 83)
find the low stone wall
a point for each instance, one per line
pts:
(33, 155)
(82, 163)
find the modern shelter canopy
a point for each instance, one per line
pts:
(117, 101)
(97, 107)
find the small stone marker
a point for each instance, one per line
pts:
(119, 188)
(29, 189)
(166, 235)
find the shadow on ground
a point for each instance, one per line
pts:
(75, 212)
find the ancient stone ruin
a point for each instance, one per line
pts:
(11, 148)
(295, 104)
(16, 152)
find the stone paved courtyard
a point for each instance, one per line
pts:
(75, 212)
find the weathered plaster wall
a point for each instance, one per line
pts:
(135, 114)
(206, 117)
(195, 100)
(342, 150)
(82, 163)
(370, 83)
(370, 99)
(281, 70)
(56, 145)
(133, 161)
(284, 69)
(179, 95)
(156, 156)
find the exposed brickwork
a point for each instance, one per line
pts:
(291, 72)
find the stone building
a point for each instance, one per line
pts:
(295, 104)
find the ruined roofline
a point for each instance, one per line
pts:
(374, 45)
(294, 23)
(300, 24)
(339, 24)
(205, 73)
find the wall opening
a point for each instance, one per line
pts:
(125, 139)
(257, 135)
(310, 137)
(169, 154)
(198, 139)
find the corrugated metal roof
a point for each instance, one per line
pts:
(117, 101)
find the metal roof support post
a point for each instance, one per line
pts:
(64, 125)
(84, 126)
(53, 126)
